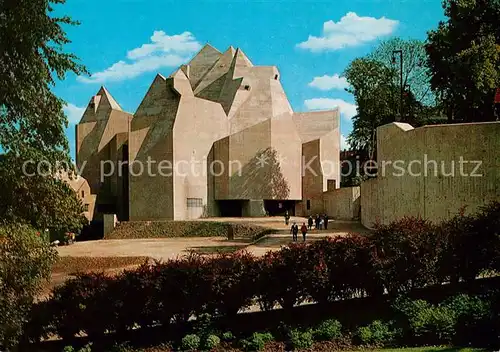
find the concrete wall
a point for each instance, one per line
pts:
(435, 193)
(312, 180)
(151, 136)
(198, 124)
(101, 122)
(320, 136)
(342, 203)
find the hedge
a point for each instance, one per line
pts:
(397, 258)
(168, 229)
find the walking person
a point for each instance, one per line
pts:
(310, 222)
(326, 222)
(316, 222)
(287, 218)
(303, 229)
(294, 230)
(321, 223)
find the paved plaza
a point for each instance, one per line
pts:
(168, 248)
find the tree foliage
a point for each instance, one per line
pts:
(371, 84)
(375, 83)
(464, 58)
(32, 120)
(31, 57)
(25, 263)
(40, 201)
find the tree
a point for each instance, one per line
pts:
(32, 121)
(375, 83)
(32, 126)
(43, 202)
(464, 59)
(415, 72)
(371, 83)
(25, 263)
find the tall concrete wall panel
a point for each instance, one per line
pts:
(427, 180)
(343, 203)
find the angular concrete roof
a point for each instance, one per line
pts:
(107, 98)
(201, 63)
(100, 106)
(219, 69)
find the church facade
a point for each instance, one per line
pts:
(218, 137)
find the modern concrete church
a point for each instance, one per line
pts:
(216, 138)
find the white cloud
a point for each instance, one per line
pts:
(347, 110)
(329, 82)
(343, 143)
(351, 30)
(73, 113)
(163, 43)
(163, 51)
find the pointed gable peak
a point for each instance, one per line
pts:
(239, 61)
(160, 76)
(107, 99)
(242, 59)
(208, 47)
(231, 50)
(206, 51)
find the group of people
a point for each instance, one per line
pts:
(295, 231)
(320, 222)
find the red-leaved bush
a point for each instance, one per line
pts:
(470, 244)
(405, 254)
(401, 256)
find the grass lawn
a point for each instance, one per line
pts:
(428, 349)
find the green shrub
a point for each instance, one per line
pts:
(377, 333)
(470, 306)
(473, 320)
(227, 336)
(427, 323)
(25, 264)
(122, 347)
(190, 342)
(212, 342)
(257, 341)
(86, 348)
(203, 326)
(301, 340)
(328, 330)
(462, 319)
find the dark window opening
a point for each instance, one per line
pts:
(308, 204)
(85, 207)
(83, 194)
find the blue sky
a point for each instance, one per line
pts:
(311, 43)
